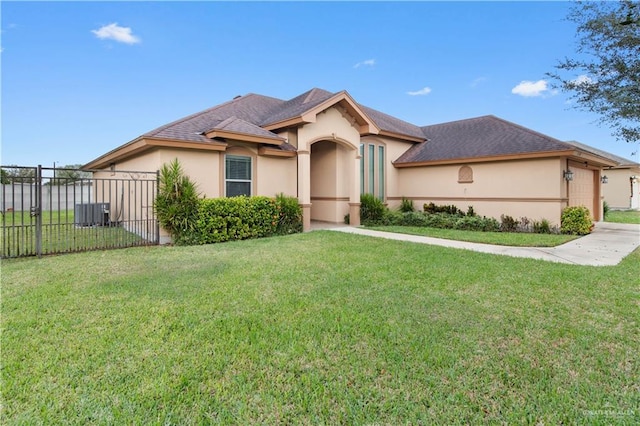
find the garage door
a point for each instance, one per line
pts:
(582, 189)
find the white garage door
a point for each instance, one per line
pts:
(582, 188)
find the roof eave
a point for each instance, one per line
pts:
(143, 144)
(245, 137)
(505, 157)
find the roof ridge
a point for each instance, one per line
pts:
(196, 114)
(460, 120)
(312, 94)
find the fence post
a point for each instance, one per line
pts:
(154, 207)
(38, 210)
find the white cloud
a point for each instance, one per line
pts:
(424, 91)
(477, 81)
(117, 33)
(533, 88)
(582, 79)
(367, 63)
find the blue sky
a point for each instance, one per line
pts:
(81, 78)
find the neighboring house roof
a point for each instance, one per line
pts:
(479, 139)
(622, 162)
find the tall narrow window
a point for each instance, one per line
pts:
(381, 172)
(372, 169)
(237, 175)
(361, 168)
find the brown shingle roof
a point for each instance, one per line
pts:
(486, 136)
(393, 124)
(256, 111)
(250, 108)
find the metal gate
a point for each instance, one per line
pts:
(53, 210)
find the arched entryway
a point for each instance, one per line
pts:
(331, 180)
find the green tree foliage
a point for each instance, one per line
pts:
(604, 77)
(15, 174)
(69, 174)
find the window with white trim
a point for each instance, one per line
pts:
(237, 175)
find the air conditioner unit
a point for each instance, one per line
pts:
(91, 214)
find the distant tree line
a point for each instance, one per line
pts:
(62, 176)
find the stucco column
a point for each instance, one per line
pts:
(304, 187)
(354, 193)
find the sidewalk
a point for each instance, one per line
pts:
(607, 245)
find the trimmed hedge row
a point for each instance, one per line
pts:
(575, 220)
(217, 220)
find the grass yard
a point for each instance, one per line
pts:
(516, 239)
(628, 216)
(318, 328)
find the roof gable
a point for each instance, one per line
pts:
(305, 108)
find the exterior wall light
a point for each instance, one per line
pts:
(634, 179)
(604, 179)
(568, 175)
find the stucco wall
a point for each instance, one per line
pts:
(618, 191)
(329, 124)
(531, 188)
(275, 176)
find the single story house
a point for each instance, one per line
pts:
(326, 149)
(622, 182)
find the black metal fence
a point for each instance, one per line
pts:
(53, 210)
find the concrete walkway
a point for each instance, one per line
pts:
(607, 245)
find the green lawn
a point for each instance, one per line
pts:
(317, 328)
(60, 235)
(495, 238)
(629, 216)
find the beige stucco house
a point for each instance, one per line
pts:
(326, 149)
(621, 188)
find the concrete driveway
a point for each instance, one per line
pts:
(607, 245)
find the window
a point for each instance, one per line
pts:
(361, 168)
(372, 170)
(465, 175)
(237, 175)
(381, 172)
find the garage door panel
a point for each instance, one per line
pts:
(582, 188)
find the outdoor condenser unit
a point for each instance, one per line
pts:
(91, 214)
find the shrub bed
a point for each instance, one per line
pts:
(193, 220)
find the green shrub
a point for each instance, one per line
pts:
(477, 223)
(508, 224)
(347, 218)
(449, 209)
(576, 220)
(176, 204)
(407, 205)
(289, 215)
(471, 212)
(542, 227)
(605, 209)
(235, 218)
(372, 210)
